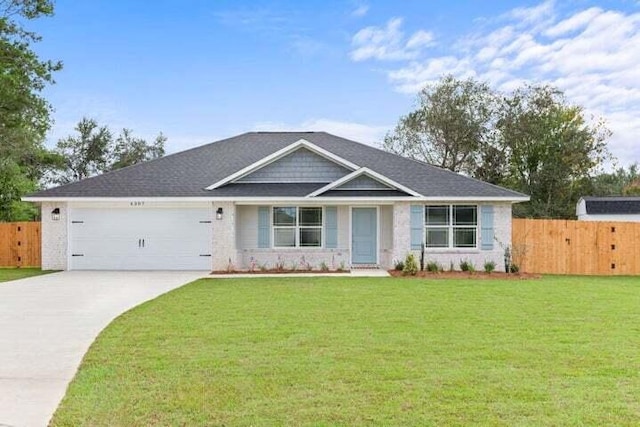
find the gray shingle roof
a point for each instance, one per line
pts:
(188, 173)
(612, 205)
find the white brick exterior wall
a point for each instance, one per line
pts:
(234, 242)
(54, 237)
(224, 237)
(270, 258)
(401, 231)
(502, 232)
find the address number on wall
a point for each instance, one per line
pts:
(136, 203)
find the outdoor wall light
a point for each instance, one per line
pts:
(55, 214)
(219, 213)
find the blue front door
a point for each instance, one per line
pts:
(364, 235)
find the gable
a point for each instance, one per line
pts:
(302, 165)
(363, 182)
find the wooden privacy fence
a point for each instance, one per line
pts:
(20, 244)
(576, 247)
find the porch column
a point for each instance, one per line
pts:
(401, 230)
(54, 235)
(224, 236)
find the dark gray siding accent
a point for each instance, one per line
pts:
(300, 166)
(363, 182)
(364, 193)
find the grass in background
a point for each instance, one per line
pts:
(335, 351)
(7, 274)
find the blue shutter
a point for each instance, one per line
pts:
(417, 226)
(331, 227)
(264, 229)
(486, 227)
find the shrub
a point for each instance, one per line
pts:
(324, 266)
(489, 266)
(433, 267)
(410, 265)
(514, 268)
(399, 265)
(467, 266)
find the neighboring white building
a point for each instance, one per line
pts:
(610, 208)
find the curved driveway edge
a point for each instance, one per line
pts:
(48, 322)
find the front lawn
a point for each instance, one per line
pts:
(7, 274)
(335, 351)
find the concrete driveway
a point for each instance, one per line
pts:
(47, 324)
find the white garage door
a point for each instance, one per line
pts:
(140, 239)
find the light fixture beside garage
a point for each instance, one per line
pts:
(219, 213)
(55, 214)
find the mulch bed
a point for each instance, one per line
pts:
(476, 275)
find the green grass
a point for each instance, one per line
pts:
(330, 351)
(7, 274)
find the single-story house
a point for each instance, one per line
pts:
(271, 199)
(608, 208)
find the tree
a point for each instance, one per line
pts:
(550, 149)
(531, 140)
(450, 126)
(93, 151)
(614, 183)
(633, 189)
(130, 150)
(86, 154)
(24, 113)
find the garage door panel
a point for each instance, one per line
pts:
(141, 239)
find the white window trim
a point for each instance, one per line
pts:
(451, 228)
(297, 228)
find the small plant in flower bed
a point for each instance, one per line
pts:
(489, 266)
(433, 267)
(514, 268)
(467, 266)
(324, 266)
(399, 265)
(410, 265)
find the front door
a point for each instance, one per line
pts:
(364, 235)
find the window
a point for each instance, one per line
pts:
(451, 226)
(297, 227)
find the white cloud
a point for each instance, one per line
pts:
(360, 10)
(367, 134)
(389, 43)
(593, 55)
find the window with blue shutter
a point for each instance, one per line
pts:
(264, 229)
(331, 227)
(486, 227)
(417, 226)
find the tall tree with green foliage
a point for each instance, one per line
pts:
(613, 183)
(93, 151)
(450, 126)
(129, 150)
(551, 149)
(530, 140)
(24, 113)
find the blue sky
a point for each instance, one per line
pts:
(203, 70)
